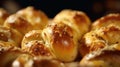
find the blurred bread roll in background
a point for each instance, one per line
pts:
(8, 55)
(3, 15)
(19, 23)
(10, 36)
(22, 60)
(110, 19)
(104, 58)
(27, 60)
(37, 18)
(27, 19)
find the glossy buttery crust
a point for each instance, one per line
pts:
(62, 35)
(77, 20)
(60, 40)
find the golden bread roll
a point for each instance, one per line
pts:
(36, 17)
(62, 35)
(21, 60)
(77, 20)
(10, 36)
(99, 39)
(19, 23)
(8, 55)
(110, 19)
(3, 15)
(105, 58)
(61, 40)
(29, 61)
(33, 43)
(105, 32)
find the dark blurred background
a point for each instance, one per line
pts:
(93, 8)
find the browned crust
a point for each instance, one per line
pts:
(110, 17)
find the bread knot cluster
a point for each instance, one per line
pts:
(29, 38)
